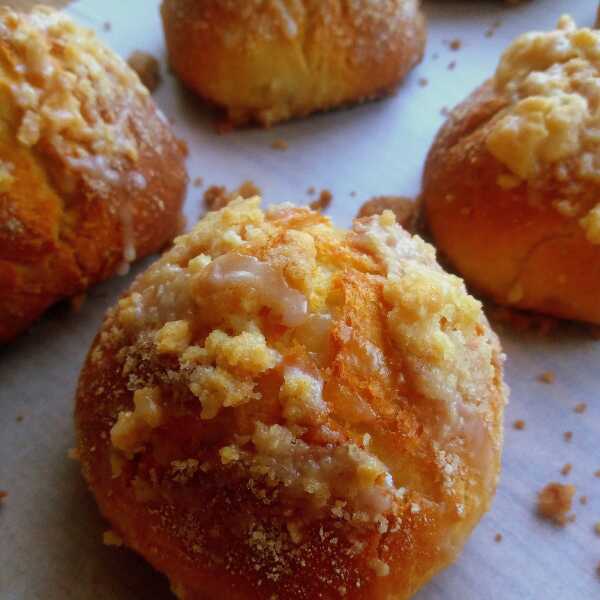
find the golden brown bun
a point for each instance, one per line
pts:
(278, 408)
(269, 61)
(510, 195)
(91, 176)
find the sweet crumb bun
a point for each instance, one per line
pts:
(511, 188)
(281, 409)
(270, 60)
(91, 176)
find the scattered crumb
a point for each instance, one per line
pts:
(493, 27)
(597, 473)
(323, 201)
(73, 454)
(445, 111)
(279, 144)
(147, 68)
(598, 570)
(554, 502)
(3, 495)
(583, 500)
(547, 377)
(498, 538)
(455, 44)
(311, 190)
(217, 196)
(106, 26)
(19, 418)
(76, 302)
(353, 193)
(198, 181)
(423, 81)
(402, 207)
(451, 65)
(580, 408)
(110, 538)
(597, 528)
(566, 469)
(183, 146)
(519, 424)
(568, 435)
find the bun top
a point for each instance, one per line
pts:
(339, 374)
(552, 122)
(73, 100)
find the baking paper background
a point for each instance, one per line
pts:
(50, 531)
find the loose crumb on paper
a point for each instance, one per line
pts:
(555, 501)
(323, 201)
(402, 207)
(147, 68)
(217, 196)
(547, 377)
(580, 408)
(198, 182)
(498, 538)
(568, 435)
(583, 500)
(3, 494)
(566, 470)
(519, 424)
(279, 144)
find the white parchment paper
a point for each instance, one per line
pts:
(50, 531)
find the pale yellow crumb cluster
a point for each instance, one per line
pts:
(68, 93)
(553, 82)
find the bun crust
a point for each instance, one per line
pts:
(278, 408)
(267, 61)
(91, 176)
(510, 189)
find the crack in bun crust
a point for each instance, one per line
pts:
(278, 408)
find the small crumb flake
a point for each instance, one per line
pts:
(423, 81)
(547, 377)
(566, 469)
(568, 435)
(580, 408)
(583, 500)
(3, 494)
(19, 418)
(402, 207)
(597, 528)
(554, 502)
(455, 44)
(147, 68)
(198, 181)
(279, 144)
(323, 201)
(110, 538)
(217, 197)
(498, 538)
(382, 569)
(452, 65)
(311, 190)
(519, 424)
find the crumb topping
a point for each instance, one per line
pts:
(553, 81)
(70, 95)
(243, 317)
